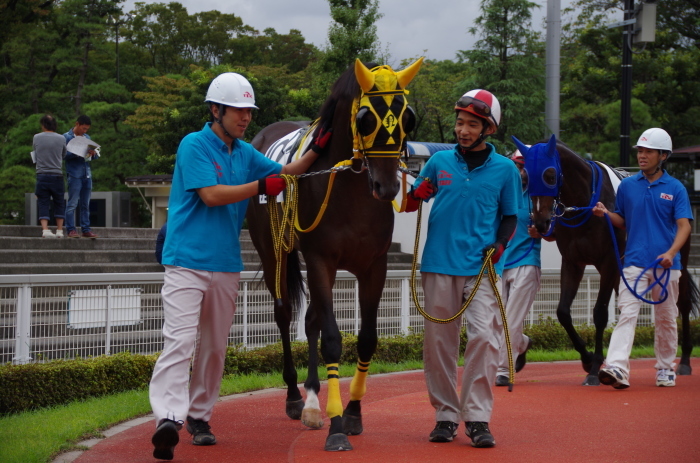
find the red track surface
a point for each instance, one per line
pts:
(549, 417)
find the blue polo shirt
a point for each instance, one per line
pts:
(520, 244)
(202, 237)
(467, 210)
(650, 211)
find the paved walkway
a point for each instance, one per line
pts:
(549, 417)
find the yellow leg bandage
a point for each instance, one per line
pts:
(358, 385)
(334, 407)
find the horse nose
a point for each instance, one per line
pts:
(385, 191)
(543, 226)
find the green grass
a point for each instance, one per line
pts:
(38, 436)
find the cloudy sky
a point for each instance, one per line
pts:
(436, 29)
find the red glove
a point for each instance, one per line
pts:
(496, 256)
(425, 190)
(271, 185)
(321, 141)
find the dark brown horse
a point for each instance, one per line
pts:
(564, 187)
(369, 115)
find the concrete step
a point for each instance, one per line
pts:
(32, 231)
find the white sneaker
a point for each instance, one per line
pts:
(47, 234)
(615, 377)
(665, 378)
(59, 233)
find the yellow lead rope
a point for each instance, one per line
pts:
(486, 266)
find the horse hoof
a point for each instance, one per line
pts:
(684, 370)
(312, 418)
(294, 408)
(591, 380)
(337, 443)
(352, 425)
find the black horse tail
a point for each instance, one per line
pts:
(295, 281)
(693, 294)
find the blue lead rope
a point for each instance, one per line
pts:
(665, 274)
(532, 244)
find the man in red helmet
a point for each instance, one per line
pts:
(476, 198)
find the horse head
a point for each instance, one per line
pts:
(380, 120)
(545, 178)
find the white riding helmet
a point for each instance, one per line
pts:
(231, 89)
(482, 104)
(655, 139)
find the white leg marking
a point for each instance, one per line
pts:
(311, 400)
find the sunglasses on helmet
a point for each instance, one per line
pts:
(479, 107)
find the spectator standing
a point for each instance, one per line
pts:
(160, 241)
(215, 174)
(475, 210)
(79, 181)
(655, 210)
(49, 151)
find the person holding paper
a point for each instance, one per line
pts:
(79, 181)
(49, 151)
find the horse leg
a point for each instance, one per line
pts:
(371, 285)
(571, 275)
(688, 297)
(259, 225)
(609, 279)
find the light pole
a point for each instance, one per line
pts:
(118, 21)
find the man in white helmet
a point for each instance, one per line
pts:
(476, 198)
(215, 174)
(655, 210)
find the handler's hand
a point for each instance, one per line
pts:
(271, 185)
(599, 209)
(496, 256)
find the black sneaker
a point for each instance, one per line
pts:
(502, 380)
(201, 432)
(165, 439)
(479, 433)
(444, 431)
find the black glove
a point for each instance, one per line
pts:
(320, 143)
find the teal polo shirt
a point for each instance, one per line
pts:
(201, 237)
(650, 211)
(520, 243)
(467, 210)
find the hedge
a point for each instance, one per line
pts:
(37, 385)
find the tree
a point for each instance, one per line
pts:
(14, 182)
(352, 34)
(508, 60)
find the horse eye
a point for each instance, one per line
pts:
(549, 177)
(409, 120)
(366, 122)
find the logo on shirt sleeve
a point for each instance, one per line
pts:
(667, 196)
(218, 169)
(444, 178)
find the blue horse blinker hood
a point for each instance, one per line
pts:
(543, 168)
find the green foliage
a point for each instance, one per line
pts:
(33, 386)
(14, 182)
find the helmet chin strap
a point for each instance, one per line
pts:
(218, 121)
(478, 141)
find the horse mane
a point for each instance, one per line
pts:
(345, 88)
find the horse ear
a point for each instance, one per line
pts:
(364, 76)
(406, 76)
(521, 146)
(551, 146)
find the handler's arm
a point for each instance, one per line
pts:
(219, 195)
(600, 210)
(682, 234)
(300, 165)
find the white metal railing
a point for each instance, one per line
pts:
(44, 317)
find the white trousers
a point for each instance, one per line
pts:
(444, 295)
(198, 309)
(665, 325)
(520, 286)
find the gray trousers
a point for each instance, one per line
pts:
(444, 295)
(520, 286)
(198, 308)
